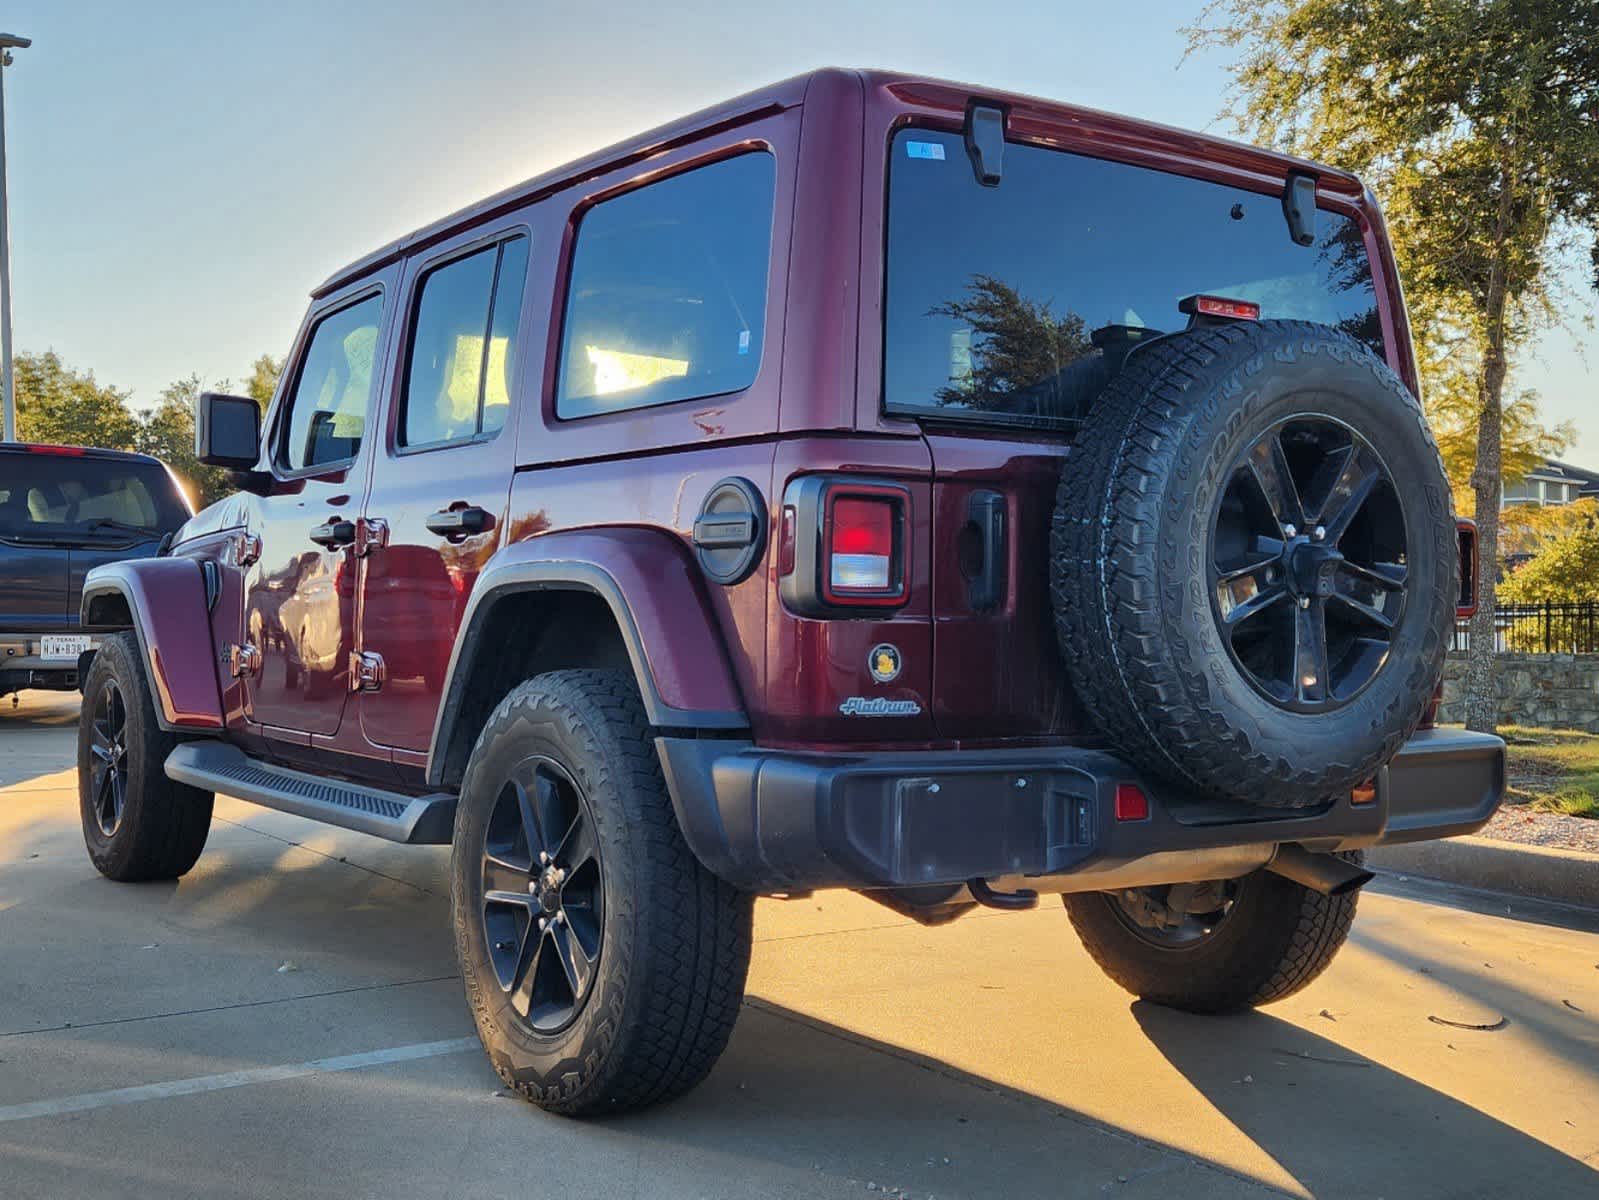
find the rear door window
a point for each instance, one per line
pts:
(667, 297)
(333, 392)
(1016, 304)
(463, 347)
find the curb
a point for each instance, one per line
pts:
(1564, 876)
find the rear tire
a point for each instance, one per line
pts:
(1276, 938)
(629, 995)
(137, 824)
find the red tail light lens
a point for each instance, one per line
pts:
(63, 451)
(863, 547)
(1219, 306)
(861, 553)
(1131, 803)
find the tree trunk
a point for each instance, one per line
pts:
(1482, 705)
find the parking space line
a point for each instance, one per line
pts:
(232, 1079)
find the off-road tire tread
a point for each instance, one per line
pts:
(1290, 941)
(693, 931)
(165, 826)
(1105, 583)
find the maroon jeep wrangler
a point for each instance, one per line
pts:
(869, 483)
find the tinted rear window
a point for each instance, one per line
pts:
(51, 495)
(1017, 303)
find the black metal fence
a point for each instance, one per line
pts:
(1540, 629)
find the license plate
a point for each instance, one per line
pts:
(62, 647)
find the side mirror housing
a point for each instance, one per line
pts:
(227, 431)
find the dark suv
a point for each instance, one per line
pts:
(65, 510)
(872, 483)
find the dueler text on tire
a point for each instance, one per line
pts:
(1265, 938)
(137, 823)
(1254, 562)
(604, 965)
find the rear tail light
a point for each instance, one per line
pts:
(844, 544)
(63, 451)
(860, 536)
(1466, 604)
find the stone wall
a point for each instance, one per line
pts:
(1560, 691)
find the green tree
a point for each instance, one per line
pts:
(167, 432)
(263, 380)
(1565, 570)
(1017, 344)
(1478, 123)
(60, 405)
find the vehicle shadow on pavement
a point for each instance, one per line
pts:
(823, 1106)
(1305, 1101)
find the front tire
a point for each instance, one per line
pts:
(137, 824)
(603, 963)
(1268, 938)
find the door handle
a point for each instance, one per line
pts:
(459, 522)
(334, 535)
(985, 517)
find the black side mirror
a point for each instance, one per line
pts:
(227, 431)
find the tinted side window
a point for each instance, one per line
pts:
(667, 297)
(462, 353)
(327, 413)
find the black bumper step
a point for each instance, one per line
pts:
(219, 767)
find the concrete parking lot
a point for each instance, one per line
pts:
(286, 1021)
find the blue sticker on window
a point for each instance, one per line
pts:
(743, 341)
(934, 150)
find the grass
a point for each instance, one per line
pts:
(1553, 770)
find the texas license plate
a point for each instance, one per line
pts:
(62, 647)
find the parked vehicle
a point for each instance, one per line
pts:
(65, 510)
(871, 483)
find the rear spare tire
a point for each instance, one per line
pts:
(1253, 562)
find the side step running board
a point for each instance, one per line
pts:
(219, 767)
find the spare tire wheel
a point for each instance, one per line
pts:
(1253, 562)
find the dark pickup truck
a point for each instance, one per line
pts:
(65, 510)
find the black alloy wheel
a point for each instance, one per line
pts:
(542, 896)
(108, 746)
(1175, 916)
(1308, 564)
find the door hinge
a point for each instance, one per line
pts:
(366, 671)
(241, 660)
(371, 533)
(246, 548)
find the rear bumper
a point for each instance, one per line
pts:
(23, 665)
(774, 821)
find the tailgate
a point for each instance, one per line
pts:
(33, 588)
(997, 670)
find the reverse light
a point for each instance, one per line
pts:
(1219, 306)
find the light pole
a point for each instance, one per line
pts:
(8, 415)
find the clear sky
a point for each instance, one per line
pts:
(183, 173)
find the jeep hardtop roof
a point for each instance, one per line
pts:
(1183, 146)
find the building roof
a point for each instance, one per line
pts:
(1553, 469)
